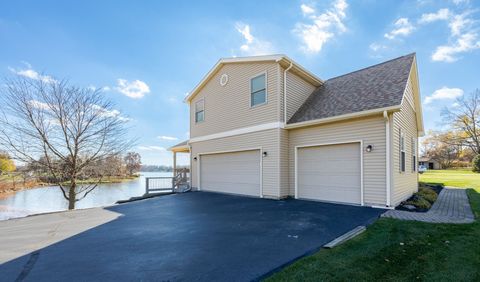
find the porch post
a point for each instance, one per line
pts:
(174, 164)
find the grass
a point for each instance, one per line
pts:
(395, 250)
(457, 178)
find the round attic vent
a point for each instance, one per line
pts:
(223, 79)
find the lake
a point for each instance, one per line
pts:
(50, 199)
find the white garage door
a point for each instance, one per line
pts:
(236, 173)
(330, 173)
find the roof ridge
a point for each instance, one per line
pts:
(372, 66)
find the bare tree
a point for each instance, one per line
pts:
(465, 121)
(62, 129)
(438, 147)
(133, 162)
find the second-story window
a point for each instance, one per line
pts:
(200, 111)
(258, 91)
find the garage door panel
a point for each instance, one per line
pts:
(330, 173)
(236, 172)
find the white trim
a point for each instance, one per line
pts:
(239, 131)
(382, 207)
(222, 77)
(327, 144)
(388, 158)
(285, 93)
(195, 110)
(199, 158)
(343, 117)
(266, 89)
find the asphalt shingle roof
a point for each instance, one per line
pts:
(377, 86)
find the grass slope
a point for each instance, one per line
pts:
(395, 250)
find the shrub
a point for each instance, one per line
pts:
(419, 202)
(428, 194)
(476, 164)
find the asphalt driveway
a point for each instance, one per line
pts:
(193, 236)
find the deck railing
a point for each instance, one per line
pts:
(177, 183)
(158, 185)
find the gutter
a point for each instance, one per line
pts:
(343, 117)
(388, 157)
(285, 93)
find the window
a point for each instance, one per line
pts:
(414, 155)
(258, 91)
(200, 111)
(402, 151)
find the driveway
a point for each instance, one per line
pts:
(193, 236)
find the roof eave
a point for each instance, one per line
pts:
(343, 117)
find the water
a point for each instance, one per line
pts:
(50, 199)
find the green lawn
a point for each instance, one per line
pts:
(394, 250)
(457, 178)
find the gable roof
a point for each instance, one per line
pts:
(281, 59)
(375, 87)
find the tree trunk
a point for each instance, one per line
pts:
(71, 194)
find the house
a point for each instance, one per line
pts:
(429, 163)
(266, 127)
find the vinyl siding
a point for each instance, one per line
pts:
(283, 165)
(371, 130)
(228, 107)
(267, 140)
(298, 90)
(404, 183)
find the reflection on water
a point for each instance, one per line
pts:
(49, 199)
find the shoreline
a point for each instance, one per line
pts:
(7, 188)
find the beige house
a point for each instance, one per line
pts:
(267, 127)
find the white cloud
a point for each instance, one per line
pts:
(443, 93)
(167, 138)
(320, 28)
(151, 148)
(29, 72)
(403, 27)
(377, 47)
(459, 23)
(135, 89)
(307, 10)
(464, 36)
(458, 2)
(109, 113)
(106, 88)
(465, 43)
(39, 105)
(252, 46)
(442, 14)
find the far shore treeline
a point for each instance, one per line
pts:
(158, 168)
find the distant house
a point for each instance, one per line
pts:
(429, 163)
(267, 127)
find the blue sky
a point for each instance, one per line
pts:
(148, 54)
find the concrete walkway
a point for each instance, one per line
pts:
(452, 206)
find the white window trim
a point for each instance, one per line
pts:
(195, 110)
(414, 155)
(266, 89)
(401, 149)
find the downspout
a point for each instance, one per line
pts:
(388, 156)
(285, 93)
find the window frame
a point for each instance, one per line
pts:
(414, 155)
(266, 89)
(195, 112)
(402, 152)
